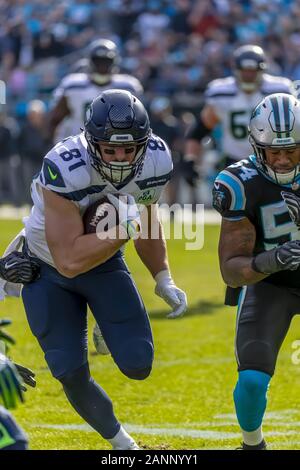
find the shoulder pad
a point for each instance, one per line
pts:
(158, 165)
(161, 154)
(221, 87)
(75, 80)
(272, 84)
(64, 167)
(229, 195)
(127, 82)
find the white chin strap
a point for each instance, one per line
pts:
(283, 178)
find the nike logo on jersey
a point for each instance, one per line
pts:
(53, 176)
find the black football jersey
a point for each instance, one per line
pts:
(242, 190)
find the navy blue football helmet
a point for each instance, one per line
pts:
(117, 118)
(103, 60)
(249, 62)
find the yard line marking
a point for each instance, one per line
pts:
(179, 432)
(271, 415)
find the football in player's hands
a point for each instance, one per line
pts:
(100, 217)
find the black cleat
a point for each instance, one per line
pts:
(261, 446)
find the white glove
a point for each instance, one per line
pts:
(167, 290)
(129, 214)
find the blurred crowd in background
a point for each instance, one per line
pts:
(174, 47)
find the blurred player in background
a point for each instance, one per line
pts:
(229, 101)
(116, 153)
(12, 436)
(77, 90)
(259, 251)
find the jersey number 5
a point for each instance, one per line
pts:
(238, 128)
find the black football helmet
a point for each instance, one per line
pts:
(249, 62)
(116, 117)
(103, 60)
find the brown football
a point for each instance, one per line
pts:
(100, 217)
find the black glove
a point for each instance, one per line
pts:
(284, 257)
(190, 172)
(18, 267)
(293, 204)
(27, 376)
(4, 336)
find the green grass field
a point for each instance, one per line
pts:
(187, 401)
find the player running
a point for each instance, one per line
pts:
(116, 153)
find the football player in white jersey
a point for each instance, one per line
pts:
(77, 90)
(115, 154)
(230, 102)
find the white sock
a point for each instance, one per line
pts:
(253, 438)
(121, 440)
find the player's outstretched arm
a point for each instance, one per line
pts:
(73, 252)
(151, 248)
(236, 245)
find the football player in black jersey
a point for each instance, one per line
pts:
(259, 251)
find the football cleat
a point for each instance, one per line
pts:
(99, 342)
(132, 446)
(261, 446)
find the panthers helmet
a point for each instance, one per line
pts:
(249, 62)
(103, 60)
(275, 123)
(116, 117)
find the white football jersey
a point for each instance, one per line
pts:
(79, 91)
(67, 170)
(234, 107)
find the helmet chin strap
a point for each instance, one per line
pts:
(283, 178)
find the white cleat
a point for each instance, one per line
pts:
(99, 342)
(132, 446)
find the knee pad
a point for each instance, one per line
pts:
(257, 355)
(135, 359)
(137, 374)
(254, 383)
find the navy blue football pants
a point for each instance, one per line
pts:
(11, 435)
(56, 309)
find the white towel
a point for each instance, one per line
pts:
(9, 288)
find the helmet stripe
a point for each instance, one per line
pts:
(274, 103)
(286, 110)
